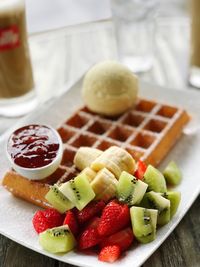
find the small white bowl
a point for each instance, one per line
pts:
(39, 172)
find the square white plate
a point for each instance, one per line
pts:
(16, 214)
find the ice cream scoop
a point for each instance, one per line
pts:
(109, 88)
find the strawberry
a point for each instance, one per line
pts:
(123, 239)
(109, 253)
(90, 236)
(91, 210)
(141, 168)
(71, 221)
(44, 219)
(115, 216)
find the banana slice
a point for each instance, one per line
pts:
(102, 181)
(85, 156)
(89, 173)
(109, 192)
(116, 160)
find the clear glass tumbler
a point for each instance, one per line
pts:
(17, 94)
(135, 32)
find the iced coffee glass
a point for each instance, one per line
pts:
(17, 94)
(195, 44)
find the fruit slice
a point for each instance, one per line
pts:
(154, 200)
(109, 253)
(144, 223)
(85, 156)
(102, 181)
(78, 191)
(57, 239)
(174, 197)
(155, 180)
(71, 221)
(58, 200)
(129, 189)
(172, 174)
(116, 160)
(108, 193)
(123, 239)
(140, 170)
(89, 173)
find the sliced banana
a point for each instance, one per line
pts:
(85, 156)
(102, 181)
(116, 160)
(89, 173)
(109, 192)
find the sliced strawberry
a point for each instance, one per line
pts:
(92, 209)
(115, 216)
(90, 236)
(109, 253)
(141, 168)
(123, 239)
(44, 219)
(71, 221)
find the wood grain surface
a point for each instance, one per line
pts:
(181, 249)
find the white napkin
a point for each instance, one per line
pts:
(47, 15)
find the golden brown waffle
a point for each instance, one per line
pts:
(148, 132)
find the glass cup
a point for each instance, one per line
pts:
(17, 94)
(194, 78)
(135, 32)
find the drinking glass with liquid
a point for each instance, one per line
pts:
(17, 94)
(194, 78)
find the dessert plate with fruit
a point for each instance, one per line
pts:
(113, 181)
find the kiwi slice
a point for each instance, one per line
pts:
(156, 201)
(174, 197)
(58, 200)
(78, 191)
(129, 189)
(57, 239)
(144, 223)
(172, 174)
(155, 180)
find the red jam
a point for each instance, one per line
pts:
(33, 146)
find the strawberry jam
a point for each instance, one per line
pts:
(33, 146)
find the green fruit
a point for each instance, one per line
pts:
(129, 189)
(155, 180)
(57, 240)
(174, 198)
(156, 201)
(58, 200)
(143, 223)
(172, 174)
(78, 191)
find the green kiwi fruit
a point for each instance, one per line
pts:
(155, 180)
(156, 201)
(174, 197)
(57, 239)
(143, 223)
(78, 191)
(172, 173)
(129, 189)
(58, 200)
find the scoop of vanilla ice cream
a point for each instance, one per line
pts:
(109, 88)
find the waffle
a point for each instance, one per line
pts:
(147, 132)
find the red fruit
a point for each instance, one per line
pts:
(109, 253)
(115, 216)
(71, 221)
(91, 210)
(123, 239)
(141, 168)
(44, 219)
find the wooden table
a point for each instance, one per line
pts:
(170, 69)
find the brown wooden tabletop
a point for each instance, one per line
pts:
(181, 249)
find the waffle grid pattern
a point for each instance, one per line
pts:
(138, 131)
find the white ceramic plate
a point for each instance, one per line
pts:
(16, 214)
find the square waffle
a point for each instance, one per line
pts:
(147, 132)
